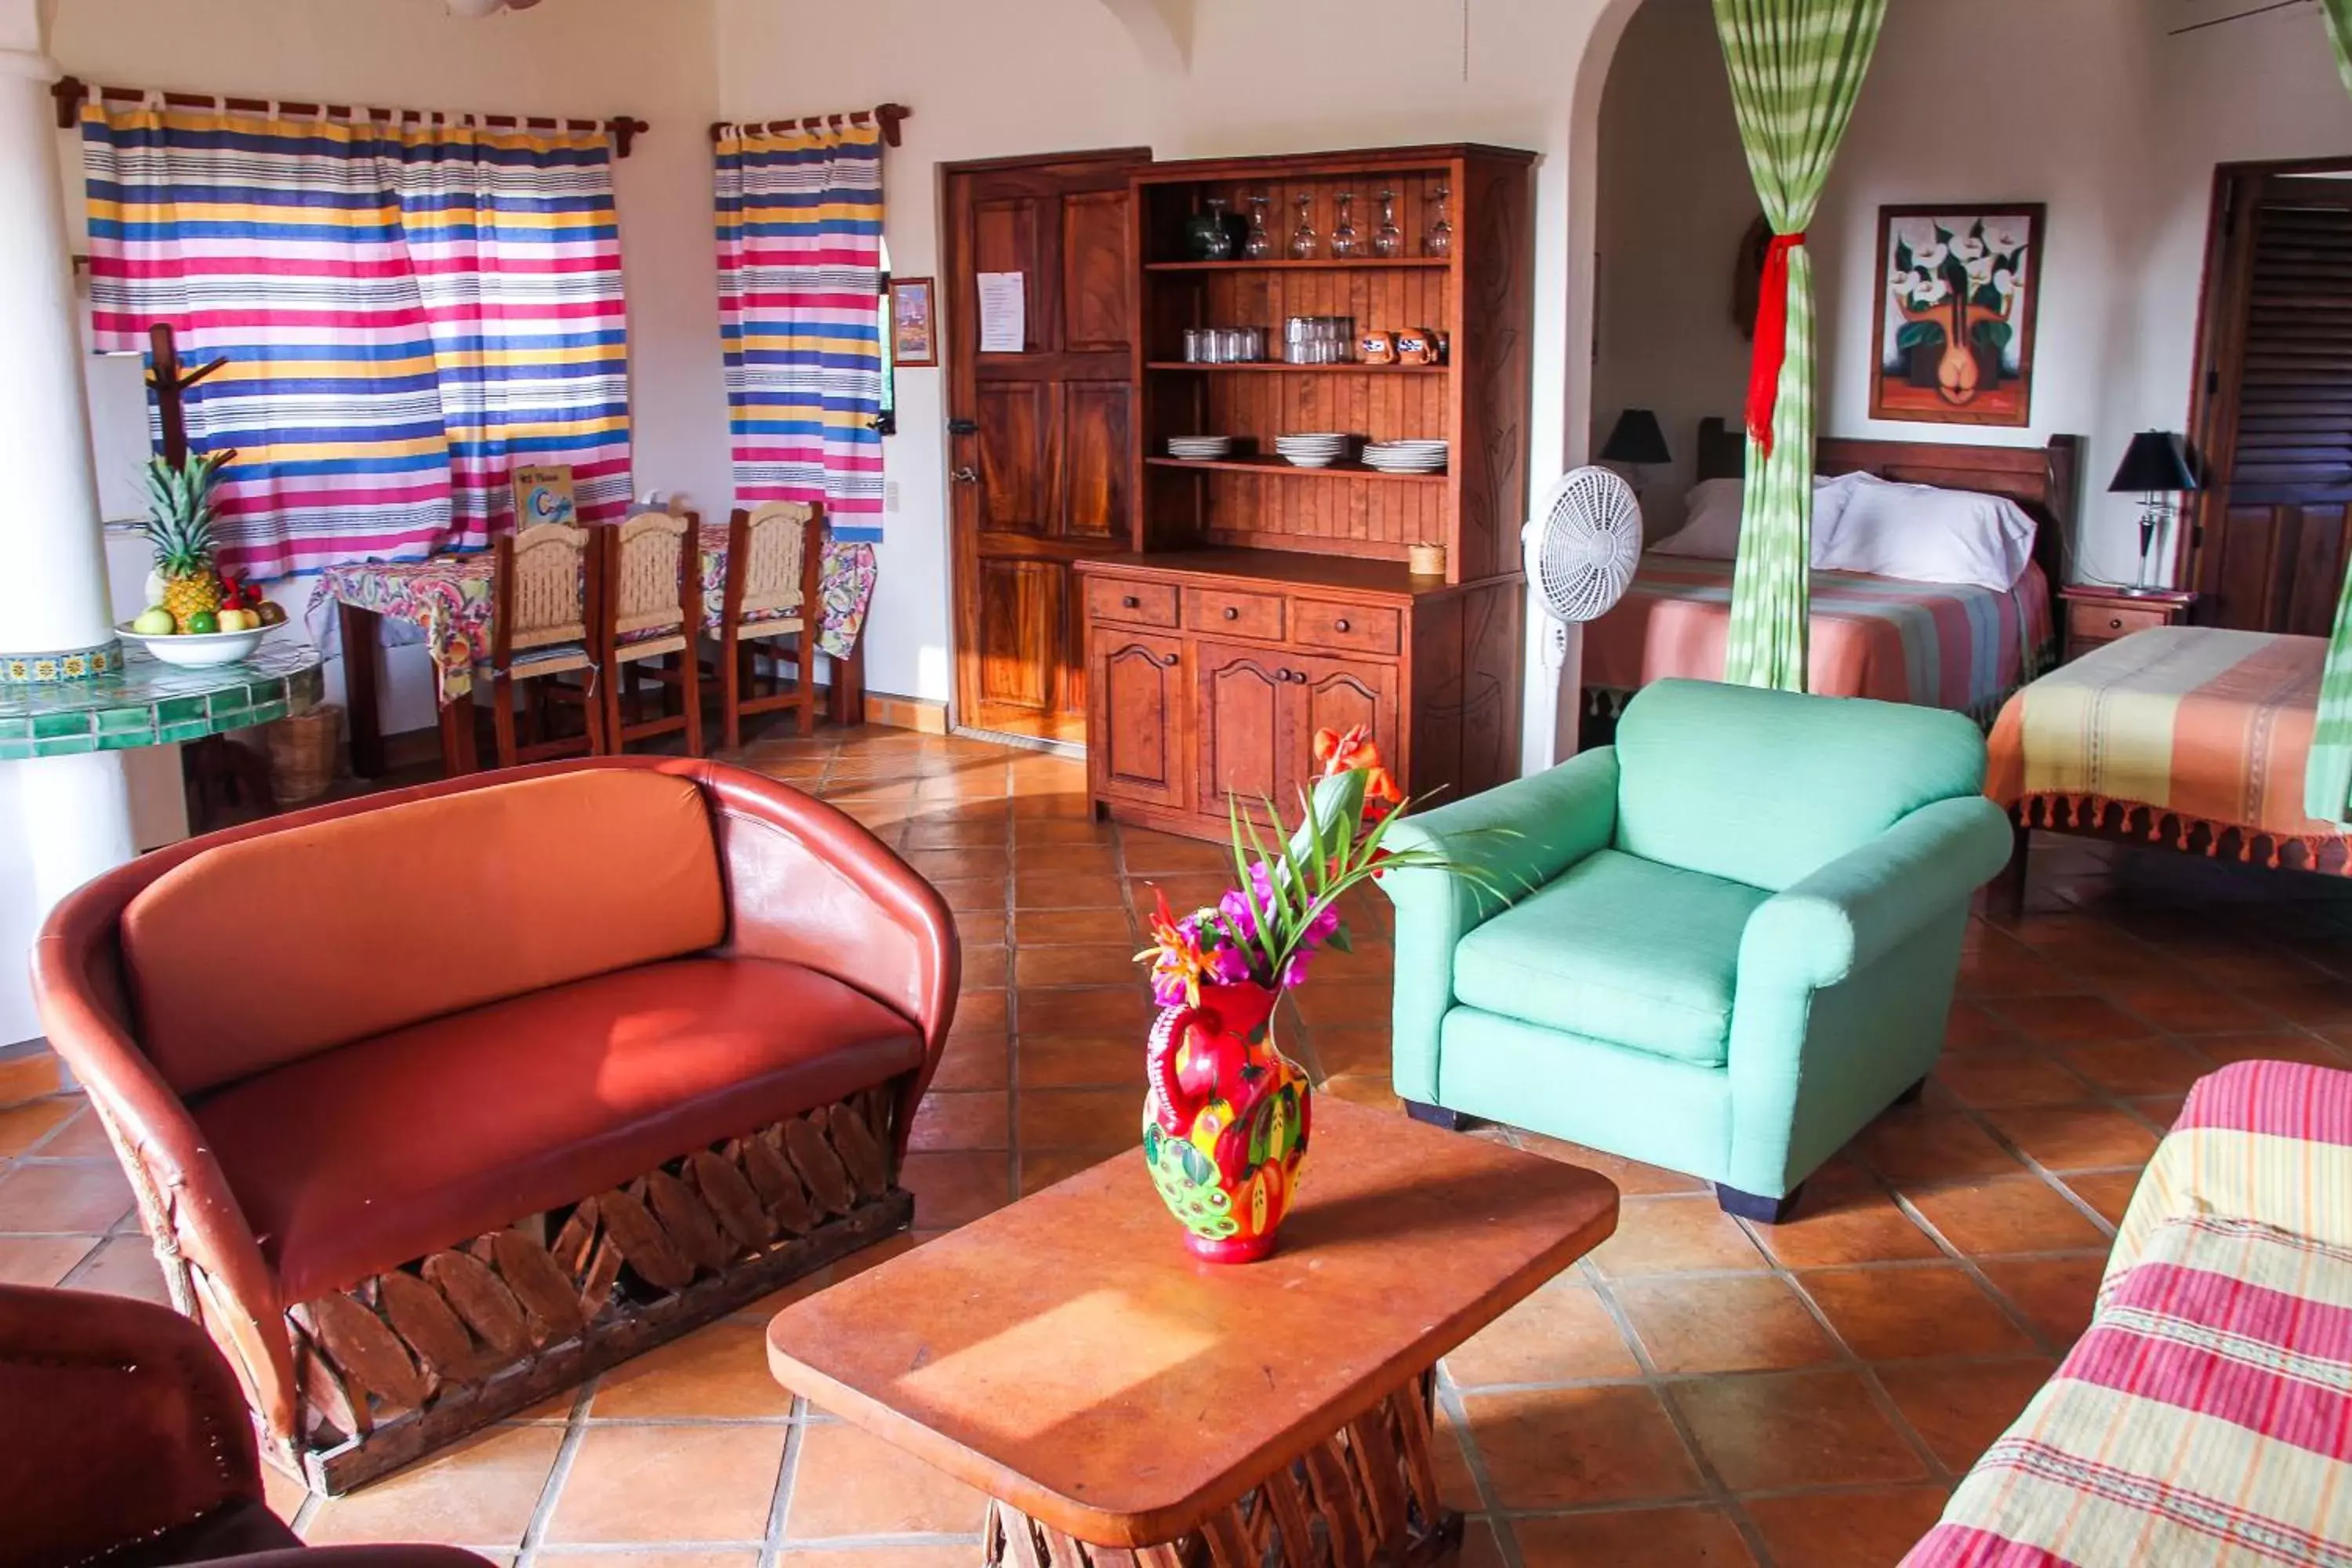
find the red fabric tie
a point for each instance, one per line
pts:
(1771, 339)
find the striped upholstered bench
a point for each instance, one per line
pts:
(2205, 1419)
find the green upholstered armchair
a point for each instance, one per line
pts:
(1721, 945)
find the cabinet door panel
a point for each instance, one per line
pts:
(1138, 716)
(1337, 694)
(1245, 698)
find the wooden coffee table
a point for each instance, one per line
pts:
(1120, 1400)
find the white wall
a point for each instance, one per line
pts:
(578, 59)
(2089, 106)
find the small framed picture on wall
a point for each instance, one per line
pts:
(914, 327)
(1953, 342)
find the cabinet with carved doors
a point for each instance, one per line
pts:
(1260, 601)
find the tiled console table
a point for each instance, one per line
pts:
(150, 703)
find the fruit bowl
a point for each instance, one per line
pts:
(197, 650)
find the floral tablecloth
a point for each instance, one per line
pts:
(448, 599)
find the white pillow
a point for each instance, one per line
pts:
(1711, 520)
(1920, 534)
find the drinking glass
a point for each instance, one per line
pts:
(1303, 240)
(1344, 241)
(1439, 240)
(1192, 351)
(1387, 239)
(1259, 245)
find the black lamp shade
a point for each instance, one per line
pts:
(1637, 440)
(2156, 464)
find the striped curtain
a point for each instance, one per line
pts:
(408, 310)
(800, 287)
(2328, 774)
(1796, 67)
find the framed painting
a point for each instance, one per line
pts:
(914, 332)
(1953, 342)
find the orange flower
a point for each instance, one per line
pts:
(1178, 964)
(1353, 751)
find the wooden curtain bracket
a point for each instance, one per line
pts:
(71, 91)
(889, 116)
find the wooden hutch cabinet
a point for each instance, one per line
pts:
(1261, 601)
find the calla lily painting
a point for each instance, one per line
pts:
(1954, 338)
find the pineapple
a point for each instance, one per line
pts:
(182, 532)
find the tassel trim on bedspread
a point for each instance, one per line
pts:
(2087, 812)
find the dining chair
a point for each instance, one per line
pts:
(653, 611)
(546, 586)
(775, 554)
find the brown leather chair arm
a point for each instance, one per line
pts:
(77, 985)
(807, 883)
(123, 1422)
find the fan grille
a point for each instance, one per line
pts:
(1585, 545)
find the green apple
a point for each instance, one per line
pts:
(155, 621)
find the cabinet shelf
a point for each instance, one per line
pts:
(1291, 470)
(1369, 264)
(1267, 366)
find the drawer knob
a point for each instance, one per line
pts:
(1232, 613)
(1340, 626)
(2116, 624)
(1129, 602)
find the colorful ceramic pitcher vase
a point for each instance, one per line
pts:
(1224, 1122)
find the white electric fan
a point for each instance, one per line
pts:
(1582, 545)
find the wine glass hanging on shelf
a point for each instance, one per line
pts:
(1346, 245)
(1304, 241)
(1259, 244)
(1388, 240)
(1439, 239)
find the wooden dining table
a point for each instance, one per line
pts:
(448, 599)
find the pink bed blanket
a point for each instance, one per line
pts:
(1935, 645)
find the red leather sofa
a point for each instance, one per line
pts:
(437, 1102)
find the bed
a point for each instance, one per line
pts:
(2192, 737)
(1935, 645)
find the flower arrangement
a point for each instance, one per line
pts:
(1284, 908)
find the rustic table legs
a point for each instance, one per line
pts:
(363, 674)
(1364, 1496)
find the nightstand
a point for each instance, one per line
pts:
(2095, 616)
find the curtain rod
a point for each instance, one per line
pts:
(886, 115)
(70, 91)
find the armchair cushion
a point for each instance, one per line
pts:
(1765, 787)
(366, 1155)
(1617, 948)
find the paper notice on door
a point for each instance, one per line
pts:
(1003, 313)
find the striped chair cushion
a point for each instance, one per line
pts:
(2204, 1419)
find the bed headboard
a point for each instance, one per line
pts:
(2047, 481)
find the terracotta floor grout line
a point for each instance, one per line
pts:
(780, 1499)
(1474, 1459)
(551, 1492)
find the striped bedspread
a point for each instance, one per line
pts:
(1932, 644)
(2170, 729)
(2205, 1419)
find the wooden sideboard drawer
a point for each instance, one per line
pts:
(2104, 623)
(1142, 604)
(1351, 629)
(1234, 614)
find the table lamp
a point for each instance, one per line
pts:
(1637, 442)
(2157, 466)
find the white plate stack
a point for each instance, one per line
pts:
(1199, 449)
(1406, 457)
(1312, 451)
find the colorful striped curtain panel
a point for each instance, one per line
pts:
(1796, 67)
(2327, 773)
(408, 312)
(800, 286)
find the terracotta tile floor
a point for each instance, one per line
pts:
(1700, 1390)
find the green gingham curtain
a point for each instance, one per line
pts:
(2327, 776)
(1796, 67)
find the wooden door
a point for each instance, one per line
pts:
(1141, 713)
(2274, 415)
(1339, 694)
(1039, 447)
(1246, 720)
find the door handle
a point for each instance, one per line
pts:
(963, 427)
(964, 474)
